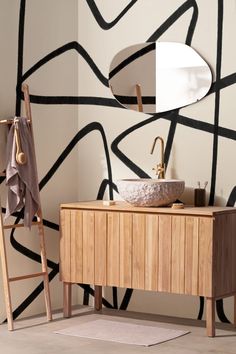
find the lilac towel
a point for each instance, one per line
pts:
(22, 180)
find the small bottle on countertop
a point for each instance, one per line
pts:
(200, 195)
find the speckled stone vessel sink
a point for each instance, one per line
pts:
(150, 192)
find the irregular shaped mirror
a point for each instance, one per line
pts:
(158, 77)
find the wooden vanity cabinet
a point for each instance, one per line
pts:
(183, 251)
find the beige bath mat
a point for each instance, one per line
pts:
(122, 332)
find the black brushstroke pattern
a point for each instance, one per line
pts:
(20, 55)
(55, 53)
(202, 126)
(232, 198)
(222, 83)
(115, 297)
(220, 311)
(201, 308)
(126, 161)
(126, 299)
(100, 20)
(27, 252)
(133, 99)
(87, 288)
(174, 17)
(217, 101)
(171, 116)
(171, 134)
(86, 294)
(75, 100)
(94, 126)
(103, 187)
(137, 55)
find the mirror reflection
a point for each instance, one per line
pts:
(158, 77)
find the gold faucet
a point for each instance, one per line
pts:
(160, 168)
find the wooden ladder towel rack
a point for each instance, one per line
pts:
(39, 223)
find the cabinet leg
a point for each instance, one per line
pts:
(66, 299)
(210, 317)
(98, 297)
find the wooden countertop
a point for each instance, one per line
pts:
(125, 207)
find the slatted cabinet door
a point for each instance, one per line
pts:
(151, 252)
(177, 254)
(224, 254)
(191, 255)
(113, 249)
(142, 251)
(164, 259)
(158, 249)
(138, 251)
(88, 247)
(205, 257)
(126, 241)
(100, 248)
(76, 234)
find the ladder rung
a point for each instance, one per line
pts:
(10, 121)
(13, 226)
(34, 275)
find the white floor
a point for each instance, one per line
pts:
(35, 336)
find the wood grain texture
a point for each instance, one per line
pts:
(126, 231)
(205, 260)
(100, 252)
(113, 249)
(76, 251)
(88, 247)
(151, 252)
(191, 255)
(65, 242)
(98, 297)
(44, 267)
(222, 257)
(138, 251)
(224, 254)
(67, 300)
(5, 277)
(210, 316)
(164, 264)
(125, 207)
(177, 254)
(233, 233)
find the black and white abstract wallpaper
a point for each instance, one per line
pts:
(114, 143)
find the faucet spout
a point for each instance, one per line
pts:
(160, 168)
